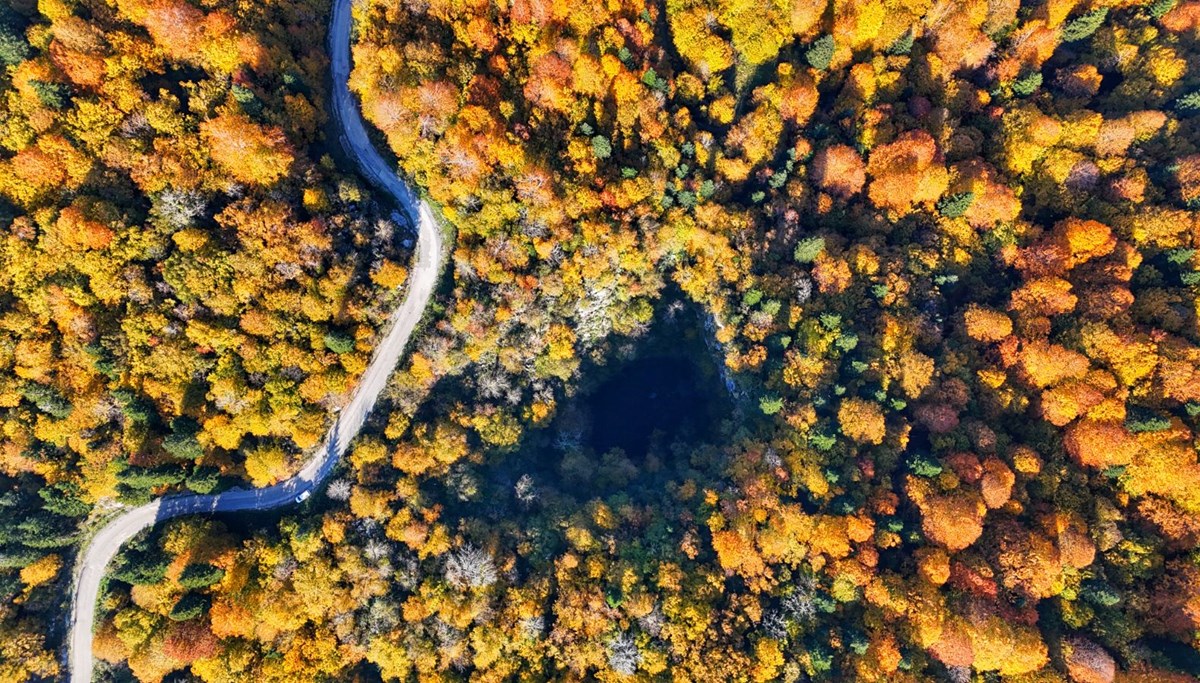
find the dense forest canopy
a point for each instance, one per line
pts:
(187, 282)
(947, 252)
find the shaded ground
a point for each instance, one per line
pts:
(642, 418)
(648, 401)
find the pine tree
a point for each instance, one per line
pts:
(1084, 25)
(1028, 84)
(903, 44)
(1189, 104)
(955, 205)
(809, 249)
(1159, 8)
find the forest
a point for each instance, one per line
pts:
(941, 256)
(188, 282)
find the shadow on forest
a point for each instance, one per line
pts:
(650, 413)
(649, 401)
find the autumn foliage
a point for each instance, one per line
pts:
(943, 258)
(839, 170)
(906, 173)
(251, 153)
(174, 255)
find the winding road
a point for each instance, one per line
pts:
(97, 554)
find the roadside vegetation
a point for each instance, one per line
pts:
(947, 252)
(189, 284)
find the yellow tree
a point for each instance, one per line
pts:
(250, 152)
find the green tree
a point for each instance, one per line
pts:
(923, 465)
(1084, 25)
(1140, 419)
(142, 567)
(339, 342)
(200, 575)
(601, 147)
(204, 479)
(13, 48)
(190, 606)
(63, 499)
(182, 443)
(820, 53)
(808, 249)
(1159, 8)
(955, 205)
(903, 44)
(151, 477)
(1188, 104)
(1028, 84)
(53, 95)
(48, 400)
(770, 404)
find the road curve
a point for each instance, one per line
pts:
(426, 268)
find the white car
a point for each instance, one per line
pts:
(304, 495)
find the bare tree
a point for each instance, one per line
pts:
(772, 459)
(801, 604)
(960, 674)
(526, 493)
(178, 208)
(652, 622)
(135, 125)
(376, 550)
(470, 567)
(623, 655)
(380, 617)
(775, 625)
(463, 482)
(451, 644)
(407, 571)
(447, 636)
(385, 229)
(804, 288)
(533, 627)
(284, 568)
(339, 490)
